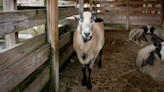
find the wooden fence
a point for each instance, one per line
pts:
(26, 66)
(131, 13)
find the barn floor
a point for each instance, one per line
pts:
(118, 73)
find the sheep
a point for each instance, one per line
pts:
(88, 42)
(142, 36)
(150, 60)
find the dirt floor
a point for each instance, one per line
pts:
(118, 73)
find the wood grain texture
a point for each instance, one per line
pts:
(15, 53)
(145, 9)
(65, 53)
(114, 28)
(90, 3)
(18, 20)
(67, 12)
(112, 2)
(145, 2)
(53, 39)
(30, 78)
(120, 8)
(21, 69)
(40, 81)
(9, 5)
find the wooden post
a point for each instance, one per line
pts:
(127, 15)
(9, 5)
(95, 7)
(53, 39)
(161, 12)
(90, 4)
(81, 6)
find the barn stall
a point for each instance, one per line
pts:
(33, 65)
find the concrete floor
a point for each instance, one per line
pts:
(118, 73)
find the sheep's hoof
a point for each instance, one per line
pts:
(89, 86)
(84, 82)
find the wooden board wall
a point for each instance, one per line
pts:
(126, 12)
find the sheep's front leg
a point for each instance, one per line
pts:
(84, 82)
(100, 64)
(89, 86)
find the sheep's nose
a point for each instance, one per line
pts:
(87, 34)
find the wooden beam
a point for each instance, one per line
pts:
(40, 81)
(11, 22)
(8, 5)
(114, 28)
(67, 12)
(127, 15)
(121, 8)
(68, 36)
(81, 6)
(30, 78)
(95, 9)
(65, 53)
(112, 2)
(53, 39)
(90, 4)
(145, 2)
(11, 55)
(20, 70)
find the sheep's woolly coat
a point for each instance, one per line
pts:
(138, 36)
(91, 48)
(150, 64)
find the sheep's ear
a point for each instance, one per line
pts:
(77, 17)
(152, 28)
(158, 43)
(99, 20)
(145, 27)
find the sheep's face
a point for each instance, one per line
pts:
(85, 25)
(160, 49)
(148, 30)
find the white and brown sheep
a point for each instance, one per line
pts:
(150, 60)
(88, 42)
(142, 36)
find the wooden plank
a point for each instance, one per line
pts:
(67, 12)
(81, 6)
(40, 81)
(65, 53)
(111, 16)
(144, 14)
(15, 53)
(10, 39)
(150, 17)
(145, 2)
(114, 21)
(112, 2)
(107, 7)
(145, 9)
(161, 12)
(64, 39)
(53, 39)
(95, 9)
(85, 1)
(90, 3)
(144, 23)
(127, 15)
(18, 20)
(114, 28)
(30, 78)
(21, 69)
